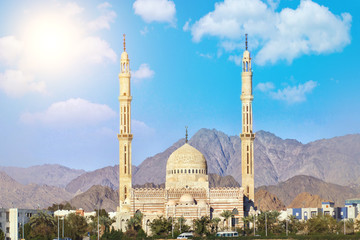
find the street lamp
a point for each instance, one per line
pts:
(265, 224)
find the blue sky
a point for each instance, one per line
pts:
(59, 65)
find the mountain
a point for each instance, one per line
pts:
(216, 180)
(14, 194)
(335, 160)
(306, 200)
(95, 197)
(268, 201)
(107, 176)
(50, 174)
(287, 191)
(276, 160)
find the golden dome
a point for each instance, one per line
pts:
(124, 55)
(187, 158)
(246, 54)
(187, 199)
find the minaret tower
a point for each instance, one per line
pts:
(125, 136)
(247, 136)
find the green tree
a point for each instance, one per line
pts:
(42, 226)
(215, 224)
(201, 226)
(293, 224)
(323, 224)
(271, 220)
(161, 226)
(66, 206)
(135, 222)
(247, 220)
(226, 214)
(113, 235)
(75, 226)
(2, 235)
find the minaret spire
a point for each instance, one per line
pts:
(186, 134)
(246, 42)
(124, 43)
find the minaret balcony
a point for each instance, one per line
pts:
(247, 136)
(125, 136)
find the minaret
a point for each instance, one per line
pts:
(125, 136)
(247, 136)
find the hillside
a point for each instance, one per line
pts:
(276, 159)
(50, 174)
(287, 191)
(14, 194)
(95, 197)
(306, 200)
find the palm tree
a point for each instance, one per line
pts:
(226, 214)
(215, 222)
(42, 225)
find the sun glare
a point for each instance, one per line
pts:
(51, 41)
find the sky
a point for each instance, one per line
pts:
(59, 66)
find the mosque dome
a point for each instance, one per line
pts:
(187, 199)
(171, 203)
(187, 159)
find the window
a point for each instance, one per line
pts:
(193, 171)
(125, 192)
(181, 171)
(185, 171)
(196, 171)
(7, 230)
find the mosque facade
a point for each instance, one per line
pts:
(187, 193)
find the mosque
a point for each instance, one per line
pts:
(187, 193)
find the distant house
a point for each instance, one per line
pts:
(349, 211)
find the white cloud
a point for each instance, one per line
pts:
(10, 50)
(294, 94)
(205, 55)
(16, 83)
(186, 26)
(140, 129)
(144, 31)
(52, 43)
(155, 10)
(71, 113)
(143, 72)
(236, 59)
(285, 35)
(104, 5)
(273, 3)
(73, 8)
(230, 46)
(103, 21)
(265, 87)
(96, 50)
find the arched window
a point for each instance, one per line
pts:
(248, 189)
(184, 170)
(181, 171)
(196, 171)
(193, 171)
(125, 192)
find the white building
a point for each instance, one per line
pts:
(12, 219)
